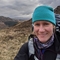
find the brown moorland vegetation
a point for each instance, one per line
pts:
(12, 38)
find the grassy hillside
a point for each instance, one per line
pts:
(11, 40)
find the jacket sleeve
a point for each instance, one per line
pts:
(23, 53)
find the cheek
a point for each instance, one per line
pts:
(50, 30)
(35, 29)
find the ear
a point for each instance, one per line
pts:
(54, 27)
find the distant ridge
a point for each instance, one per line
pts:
(6, 22)
(57, 10)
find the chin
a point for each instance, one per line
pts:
(43, 40)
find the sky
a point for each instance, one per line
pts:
(23, 9)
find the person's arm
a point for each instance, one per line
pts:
(23, 53)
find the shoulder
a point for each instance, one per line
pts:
(23, 52)
(57, 35)
(57, 41)
(24, 48)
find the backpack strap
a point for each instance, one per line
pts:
(58, 57)
(30, 46)
(31, 49)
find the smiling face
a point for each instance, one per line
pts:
(43, 30)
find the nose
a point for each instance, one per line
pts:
(41, 29)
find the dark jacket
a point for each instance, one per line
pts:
(49, 54)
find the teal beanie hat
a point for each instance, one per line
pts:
(44, 13)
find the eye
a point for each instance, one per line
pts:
(46, 23)
(37, 24)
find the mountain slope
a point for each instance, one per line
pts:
(57, 10)
(7, 22)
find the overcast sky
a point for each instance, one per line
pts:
(23, 8)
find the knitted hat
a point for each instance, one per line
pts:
(44, 13)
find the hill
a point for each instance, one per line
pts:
(12, 38)
(6, 22)
(57, 10)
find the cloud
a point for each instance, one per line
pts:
(22, 8)
(53, 3)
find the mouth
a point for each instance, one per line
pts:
(42, 35)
